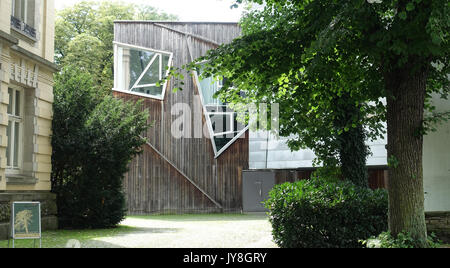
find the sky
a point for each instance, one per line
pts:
(186, 10)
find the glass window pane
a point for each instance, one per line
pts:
(17, 8)
(221, 142)
(209, 87)
(22, 9)
(16, 144)
(10, 105)
(30, 12)
(221, 123)
(165, 64)
(18, 99)
(152, 74)
(8, 149)
(139, 60)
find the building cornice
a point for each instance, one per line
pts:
(13, 42)
(36, 58)
(8, 38)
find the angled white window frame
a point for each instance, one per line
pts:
(217, 153)
(118, 67)
(230, 122)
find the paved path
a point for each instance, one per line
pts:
(198, 231)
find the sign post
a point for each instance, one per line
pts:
(26, 221)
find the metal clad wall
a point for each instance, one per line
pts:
(158, 185)
(279, 156)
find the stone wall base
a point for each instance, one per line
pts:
(439, 224)
(48, 209)
(48, 223)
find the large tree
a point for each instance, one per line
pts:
(324, 60)
(84, 35)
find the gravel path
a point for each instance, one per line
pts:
(193, 231)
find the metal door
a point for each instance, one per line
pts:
(256, 186)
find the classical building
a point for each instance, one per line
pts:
(26, 97)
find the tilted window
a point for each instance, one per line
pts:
(222, 121)
(140, 70)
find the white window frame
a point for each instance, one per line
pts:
(230, 122)
(118, 67)
(16, 119)
(217, 153)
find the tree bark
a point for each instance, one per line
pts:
(405, 113)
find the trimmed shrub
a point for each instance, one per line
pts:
(94, 139)
(319, 213)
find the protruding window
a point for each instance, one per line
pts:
(140, 70)
(222, 121)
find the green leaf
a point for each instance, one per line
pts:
(410, 6)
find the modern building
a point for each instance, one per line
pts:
(199, 169)
(26, 97)
(191, 172)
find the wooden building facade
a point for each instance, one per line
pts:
(192, 173)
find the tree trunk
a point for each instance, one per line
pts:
(405, 113)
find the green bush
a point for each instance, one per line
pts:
(403, 240)
(94, 139)
(318, 213)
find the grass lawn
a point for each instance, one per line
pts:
(168, 231)
(59, 238)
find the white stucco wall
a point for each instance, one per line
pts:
(436, 163)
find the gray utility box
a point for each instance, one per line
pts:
(256, 186)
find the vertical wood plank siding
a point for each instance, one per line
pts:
(152, 185)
